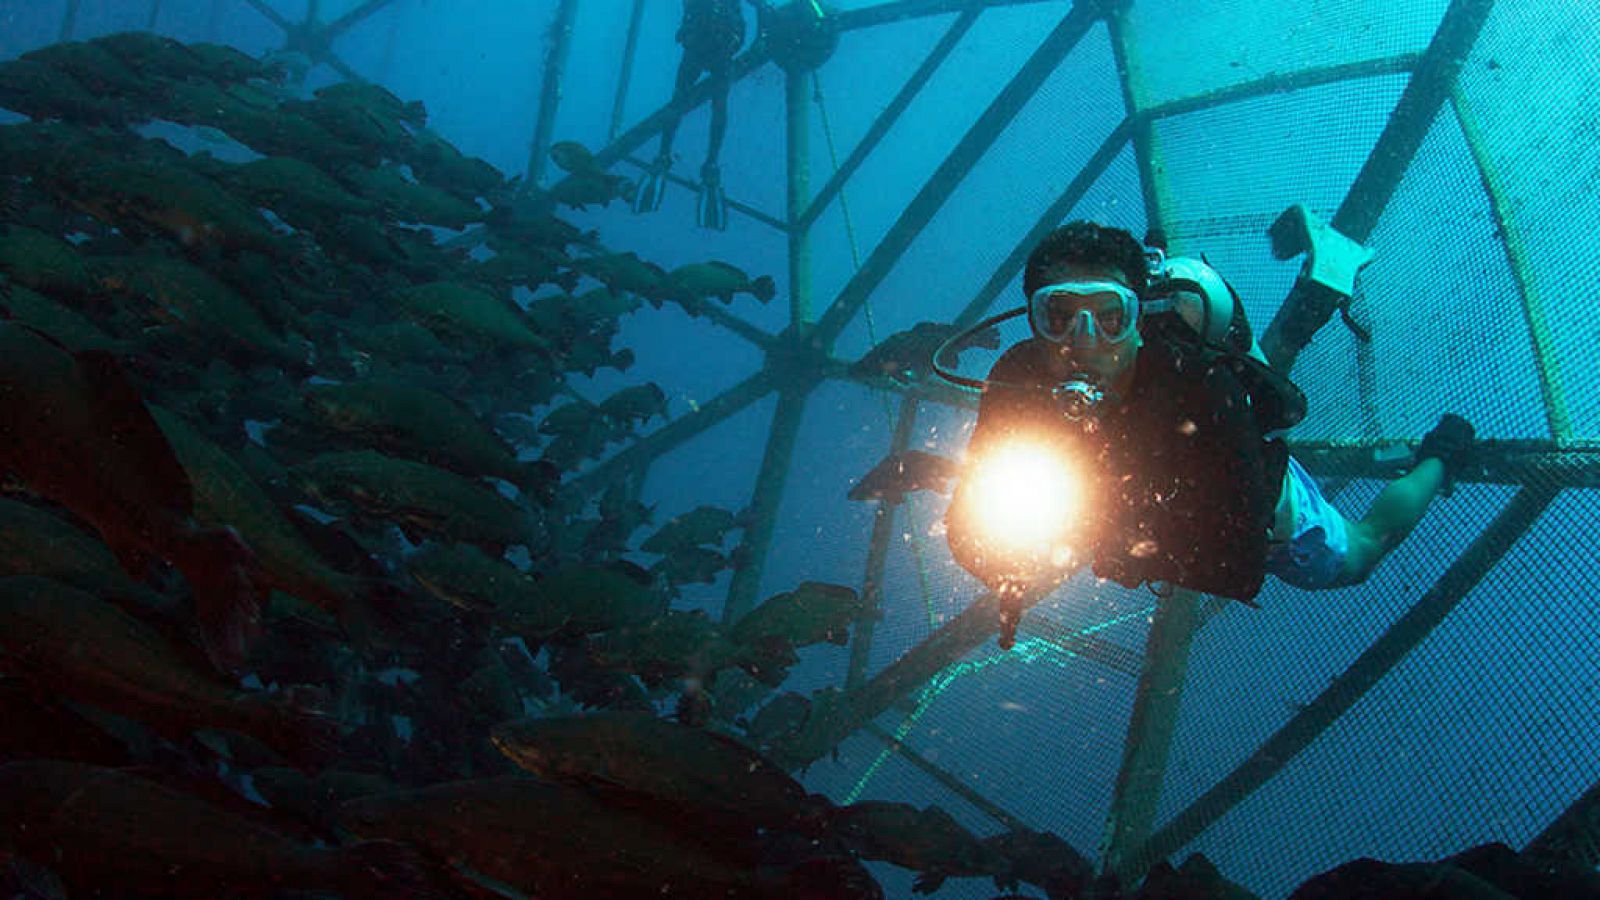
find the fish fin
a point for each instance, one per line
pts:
(229, 592)
(712, 209)
(652, 186)
(121, 411)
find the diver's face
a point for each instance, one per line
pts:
(1111, 363)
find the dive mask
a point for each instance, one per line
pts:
(1083, 314)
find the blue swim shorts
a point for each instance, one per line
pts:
(1312, 553)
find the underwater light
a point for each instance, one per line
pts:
(1028, 496)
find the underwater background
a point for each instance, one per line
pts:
(1446, 703)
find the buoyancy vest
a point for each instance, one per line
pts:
(1186, 477)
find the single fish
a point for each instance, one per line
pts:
(409, 201)
(34, 541)
(1041, 859)
(460, 311)
(225, 496)
(628, 273)
(174, 201)
(466, 578)
(44, 263)
(201, 307)
(424, 501)
(926, 841)
(905, 472)
(437, 162)
(701, 526)
(692, 769)
(810, 614)
(691, 565)
(720, 280)
(637, 404)
(62, 324)
(599, 598)
(410, 421)
(667, 648)
(40, 727)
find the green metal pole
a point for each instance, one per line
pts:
(69, 21)
(960, 161)
(675, 433)
(852, 709)
(1143, 151)
(891, 114)
(951, 782)
(902, 10)
(630, 48)
(878, 555)
(1102, 159)
(555, 65)
(768, 496)
(1150, 730)
(1557, 416)
(799, 196)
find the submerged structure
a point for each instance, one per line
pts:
(1400, 197)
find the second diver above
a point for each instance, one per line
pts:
(711, 34)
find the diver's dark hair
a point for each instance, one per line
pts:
(1086, 243)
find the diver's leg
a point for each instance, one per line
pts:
(720, 84)
(1392, 516)
(688, 71)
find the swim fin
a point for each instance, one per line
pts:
(712, 209)
(652, 185)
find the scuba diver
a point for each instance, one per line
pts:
(1142, 377)
(711, 33)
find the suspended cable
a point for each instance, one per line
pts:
(912, 529)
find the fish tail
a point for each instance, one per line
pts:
(228, 593)
(764, 288)
(389, 869)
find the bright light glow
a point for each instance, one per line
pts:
(1027, 497)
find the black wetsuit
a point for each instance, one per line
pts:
(711, 33)
(1184, 480)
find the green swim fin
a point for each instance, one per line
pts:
(712, 209)
(652, 185)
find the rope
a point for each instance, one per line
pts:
(872, 337)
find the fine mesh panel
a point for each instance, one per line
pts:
(1327, 804)
(1232, 169)
(1531, 110)
(1437, 297)
(952, 100)
(1467, 741)
(1181, 49)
